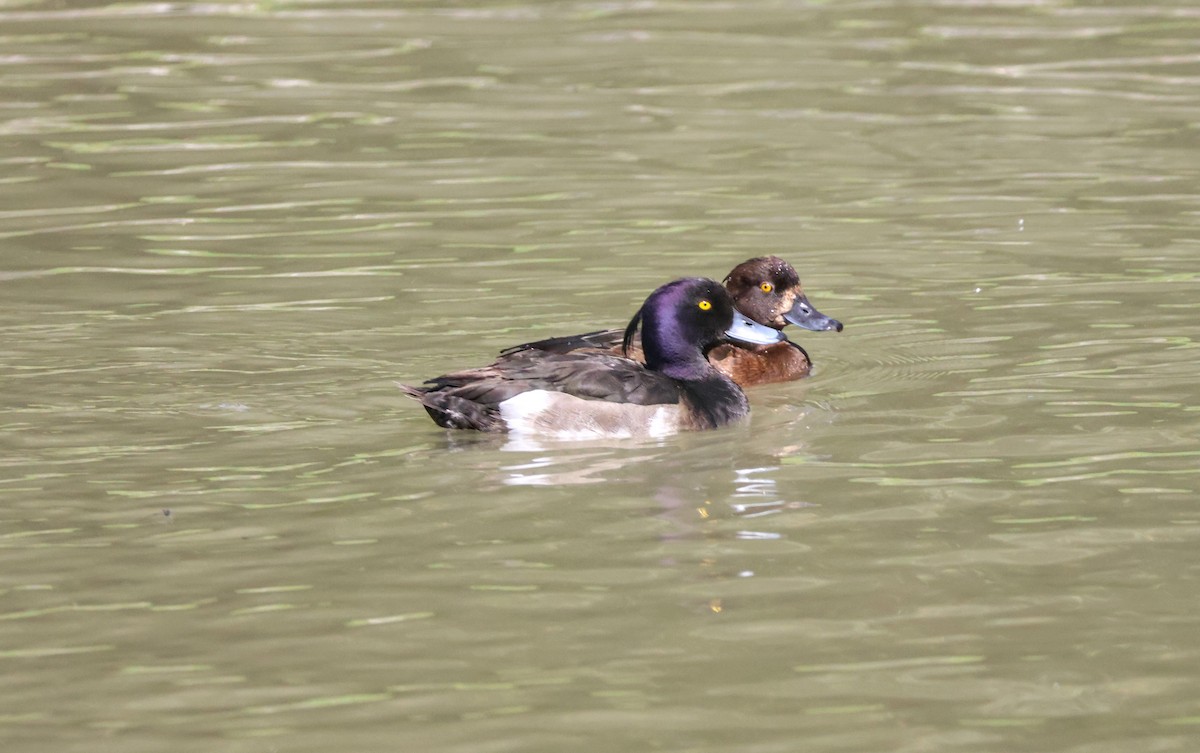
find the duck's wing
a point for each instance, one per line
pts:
(589, 375)
(602, 340)
(471, 399)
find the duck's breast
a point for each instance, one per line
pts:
(781, 362)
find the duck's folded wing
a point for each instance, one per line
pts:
(605, 340)
(592, 376)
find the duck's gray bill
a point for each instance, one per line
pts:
(749, 331)
(804, 314)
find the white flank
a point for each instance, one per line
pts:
(664, 422)
(558, 415)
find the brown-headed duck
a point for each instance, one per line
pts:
(767, 290)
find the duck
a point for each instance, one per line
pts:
(590, 394)
(766, 289)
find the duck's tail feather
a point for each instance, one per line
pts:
(416, 393)
(453, 412)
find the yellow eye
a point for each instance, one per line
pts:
(705, 305)
(766, 287)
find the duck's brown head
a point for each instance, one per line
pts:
(767, 289)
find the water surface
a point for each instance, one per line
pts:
(228, 228)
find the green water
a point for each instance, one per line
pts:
(228, 228)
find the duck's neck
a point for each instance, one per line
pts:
(715, 399)
(669, 352)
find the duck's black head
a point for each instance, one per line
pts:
(683, 319)
(767, 289)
